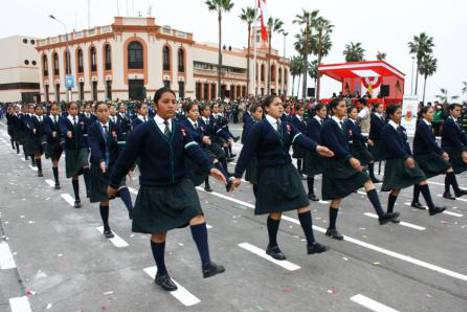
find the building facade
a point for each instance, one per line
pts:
(134, 56)
(19, 69)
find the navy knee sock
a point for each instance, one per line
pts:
(104, 211)
(416, 194)
(427, 196)
(55, 172)
(200, 236)
(126, 198)
(391, 202)
(333, 212)
(75, 184)
(307, 227)
(158, 251)
(273, 227)
(374, 199)
(310, 181)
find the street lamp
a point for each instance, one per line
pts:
(67, 55)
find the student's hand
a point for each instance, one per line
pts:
(111, 192)
(207, 140)
(410, 163)
(445, 156)
(231, 142)
(69, 134)
(324, 151)
(236, 183)
(370, 142)
(54, 134)
(102, 166)
(216, 174)
(464, 156)
(355, 163)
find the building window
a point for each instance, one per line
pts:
(135, 55)
(26, 62)
(67, 63)
(286, 76)
(108, 89)
(206, 91)
(81, 91)
(181, 89)
(46, 92)
(181, 60)
(45, 65)
(94, 90)
(167, 83)
(93, 59)
(166, 58)
(56, 67)
(80, 61)
(108, 57)
(198, 90)
(34, 63)
(57, 92)
(25, 40)
(262, 72)
(273, 73)
(33, 41)
(213, 90)
(280, 75)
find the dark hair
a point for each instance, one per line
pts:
(453, 106)
(38, 106)
(160, 92)
(68, 105)
(318, 107)
(100, 103)
(299, 106)
(189, 106)
(267, 101)
(423, 111)
(391, 109)
(334, 103)
(254, 107)
(376, 105)
(350, 109)
(139, 105)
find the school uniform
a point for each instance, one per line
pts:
(138, 121)
(53, 149)
(76, 147)
(27, 134)
(37, 140)
(454, 142)
(248, 121)
(89, 118)
(313, 164)
(123, 125)
(357, 142)
(340, 179)
(286, 117)
(427, 152)
(279, 185)
(396, 174)
(298, 152)
(377, 124)
(167, 198)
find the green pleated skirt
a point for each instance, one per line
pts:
(378, 150)
(313, 163)
(75, 159)
(432, 164)
(455, 158)
(362, 153)
(340, 179)
(398, 176)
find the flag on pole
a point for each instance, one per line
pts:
(262, 6)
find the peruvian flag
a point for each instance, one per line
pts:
(263, 18)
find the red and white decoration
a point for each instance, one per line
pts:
(263, 17)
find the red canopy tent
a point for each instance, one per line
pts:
(367, 77)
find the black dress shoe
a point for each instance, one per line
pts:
(40, 174)
(57, 186)
(108, 233)
(436, 210)
(448, 196)
(460, 193)
(313, 197)
(212, 269)
(208, 188)
(376, 180)
(275, 253)
(388, 217)
(228, 186)
(165, 282)
(417, 205)
(316, 248)
(333, 233)
(77, 204)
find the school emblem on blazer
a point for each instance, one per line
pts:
(114, 135)
(183, 131)
(288, 128)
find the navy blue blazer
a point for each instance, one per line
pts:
(425, 141)
(248, 121)
(333, 137)
(103, 148)
(395, 142)
(313, 129)
(79, 133)
(300, 125)
(270, 146)
(123, 124)
(37, 128)
(50, 127)
(196, 134)
(376, 127)
(453, 136)
(354, 133)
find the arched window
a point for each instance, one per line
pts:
(55, 63)
(108, 57)
(135, 55)
(166, 58)
(181, 60)
(66, 55)
(45, 65)
(286, 75)
(280, 75)
(262, 72)
(80, 60)
(93, 59)
(273, 73)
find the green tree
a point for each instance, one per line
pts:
(219, 6)
(381, 56)
(421, 46)
(296, 64)
(354, 52)
(313, 70)
(248, 16)
(428, 68)
(274, 26)
(322, 44)
(464, 87)
(444, 96)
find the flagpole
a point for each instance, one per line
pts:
(254, 47)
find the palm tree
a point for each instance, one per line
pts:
(308, 21)
(274, 25)
(313, 70)
(296, 64)
(248, 16)
(354, 52)
(444, 97)
(464, 87)
(428, 68)
(219, 6)
(381, 56)
(322, 45)
(421, 46)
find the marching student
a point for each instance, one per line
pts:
(141, 115)
(87, 114)
(343, 174)
(73, 129)
(251, 172)
(300, 123)
(28, 135)
(313, 161)
(279, 187)
(36, 125)
(54, 148)
(123, 121)
(167, 199)
(454, 142)
(377, 123)
(401, 170)
(223, 136)
(12, 124)
(357, 141)
(248, 121)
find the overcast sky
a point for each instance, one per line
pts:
(379, 26)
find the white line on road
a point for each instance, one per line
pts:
(20, 304)
(406, 224)
(33, 168)
(117, 241)
(457, 198)
(50, 182)
(371, 304)
(442, 184)
(6, 257)
(449, 213)
(67, 197)
(366, 245)
(261, 253)
(181, 294)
